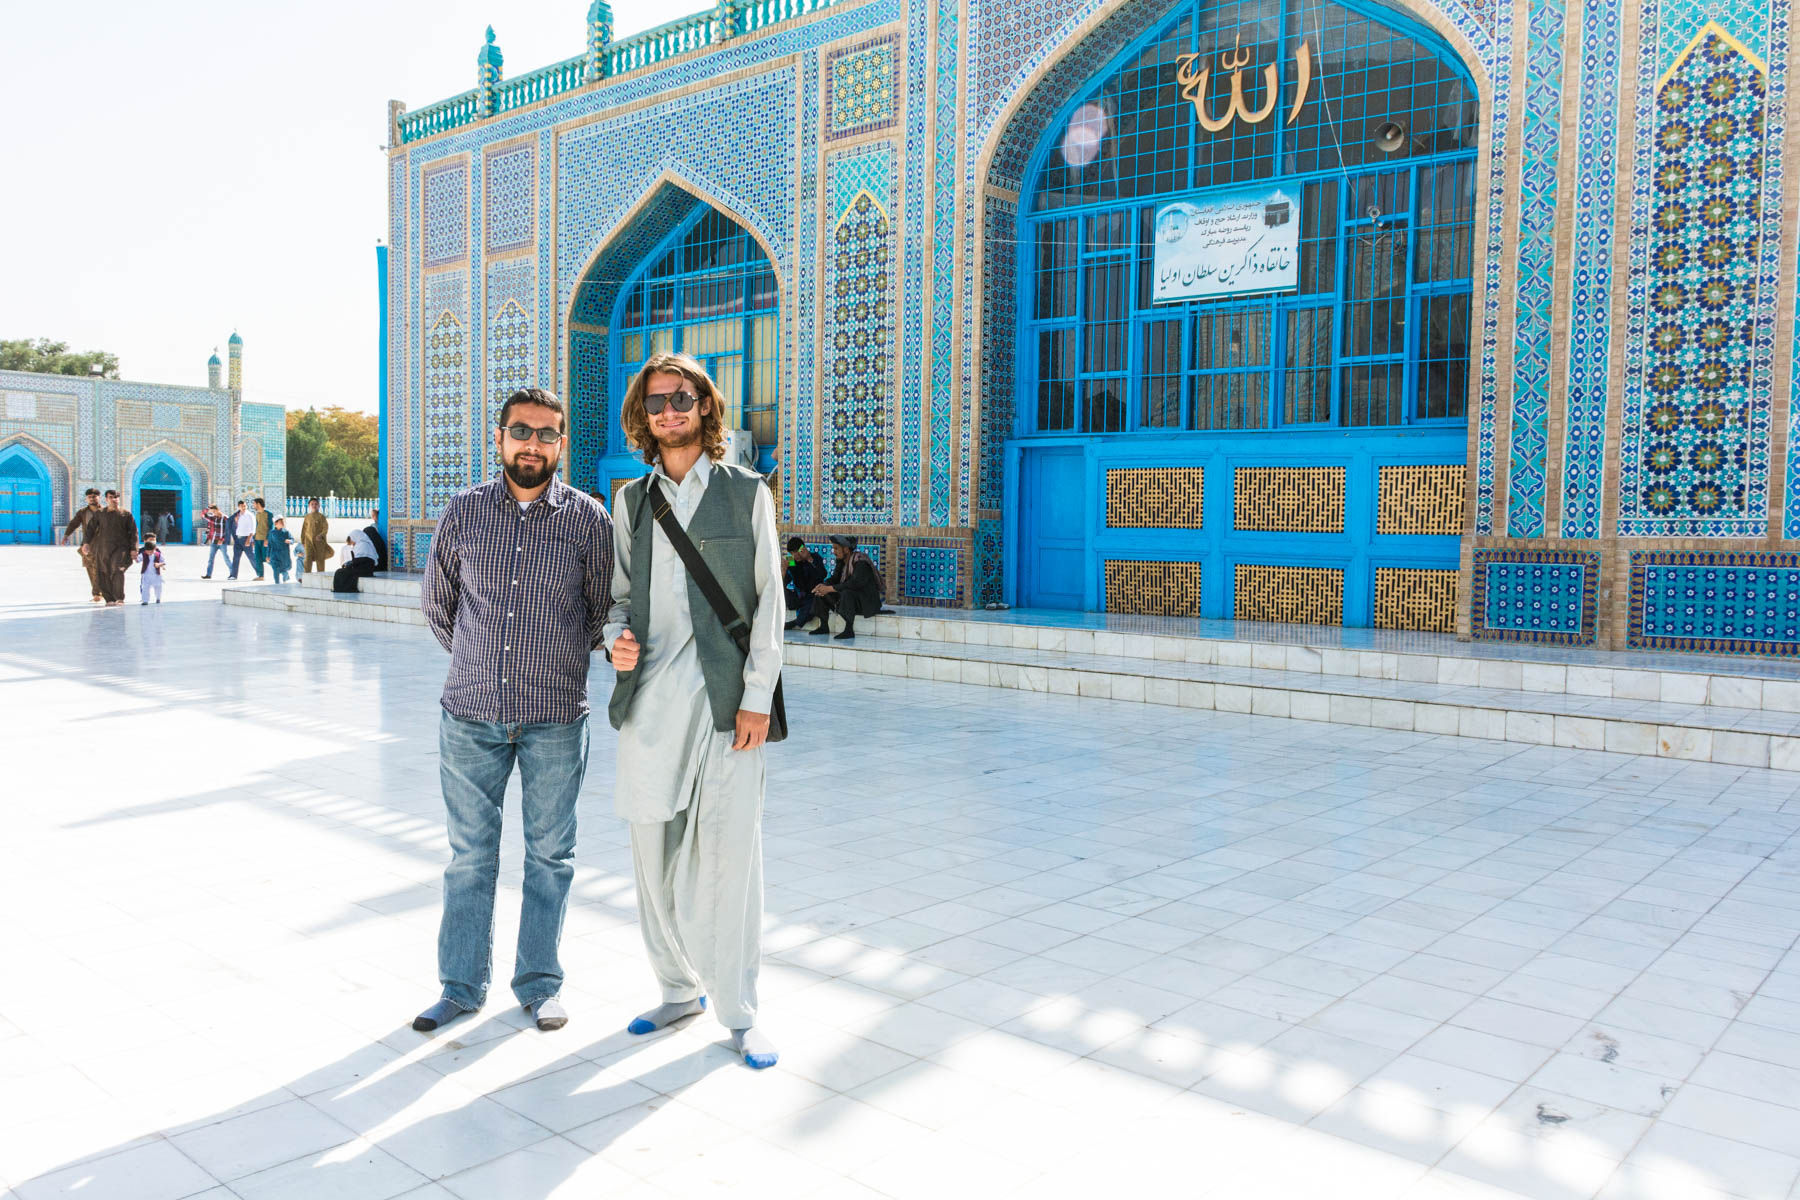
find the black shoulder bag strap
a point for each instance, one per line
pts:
(715, 595)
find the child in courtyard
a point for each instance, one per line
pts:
(150, 570)
(281, 550)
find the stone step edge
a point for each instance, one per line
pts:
(1625, 683)
(1687, 743)
(372, 609)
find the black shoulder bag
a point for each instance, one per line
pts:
(715, 595)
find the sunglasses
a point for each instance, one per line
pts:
(523, 433)
(680, 401)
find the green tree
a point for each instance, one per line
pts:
(332, 454)
(55, 358)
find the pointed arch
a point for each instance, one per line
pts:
(190, 479)
(663, 207)
(28, 499)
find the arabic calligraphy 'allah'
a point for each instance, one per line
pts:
(1193, 87)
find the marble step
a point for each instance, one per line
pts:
(1694, 732)
(1688, 679)
(381, 584)
(396, 607)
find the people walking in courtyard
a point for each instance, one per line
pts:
(693, 700)
(359, 563)
(854, 589)
(261, 536)
(516, 590)
(77, 531)
(243, 531)
(150, 570)
(281, 550)
(373, 529)
(165, 527)
(216, 531)
(315, 540)
(112, 538)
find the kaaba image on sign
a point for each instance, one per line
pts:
(1277, 214)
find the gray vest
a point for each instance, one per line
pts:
(722, 532)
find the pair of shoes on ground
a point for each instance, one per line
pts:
(756, 1050)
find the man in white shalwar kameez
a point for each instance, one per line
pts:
(691, 709)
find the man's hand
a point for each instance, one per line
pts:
(823, 589)
(752, 730)
(625, 656)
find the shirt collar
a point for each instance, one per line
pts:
(555, 495)
(700, 472)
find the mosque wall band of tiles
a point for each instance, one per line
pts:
(164, 447)
(1524, 370)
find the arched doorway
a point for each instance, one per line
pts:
(679, 275)
(162, 486)
(1244, 280)
(25, 498)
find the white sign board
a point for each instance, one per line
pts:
(1234, 243)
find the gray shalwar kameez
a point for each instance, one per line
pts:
(694, 803)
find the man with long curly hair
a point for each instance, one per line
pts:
(691, 708)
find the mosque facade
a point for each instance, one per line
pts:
(1440, 315)
(166, 448)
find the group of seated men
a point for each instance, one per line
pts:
(853, 589)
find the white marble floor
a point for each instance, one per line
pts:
(1017, 944)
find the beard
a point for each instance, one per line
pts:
(527, 476)
(678, 441)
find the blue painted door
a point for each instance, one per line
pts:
(24, 501)
(1053, 548)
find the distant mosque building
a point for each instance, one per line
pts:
(166, 448)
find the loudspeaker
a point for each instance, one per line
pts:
(1389, 137)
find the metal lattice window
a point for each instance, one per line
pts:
(1382, 153)
(710, 294)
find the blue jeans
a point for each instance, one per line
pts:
(217, 550)
(475, 759)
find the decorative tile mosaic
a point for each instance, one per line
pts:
(930, 573)
(1535, 255)
(398, 465)
(511, 336)
(1701, 292)
(591, 423)
(827, 554)
(446, 402)
(1421, 499)
(1155, 497)
(861, 91)
(990, 564)
(446, 190)
(1289, 499)
(999, 306)
(1715, 603)
(799, 430)
(1544, 596)
(511, 180)
(947, 109)
(1590, 292)
(1301, 595)
(1415, 598)
(1148, 588)
(856, 453)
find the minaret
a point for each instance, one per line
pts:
(235, 350)
(489, 65)
(212, 371)
(599, 38)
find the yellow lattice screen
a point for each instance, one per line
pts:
(1155, 497)
(1421, 499)
(616, 485)
(1415, 598)
(1303, 595)
(1161, 589)
(1290, 499)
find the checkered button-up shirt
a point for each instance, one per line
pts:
(519, 597)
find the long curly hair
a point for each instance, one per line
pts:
(637, 422)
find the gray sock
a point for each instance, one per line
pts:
(758, 1051)
(441, 1013)
(666, 1014)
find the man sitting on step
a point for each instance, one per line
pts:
(854, 590)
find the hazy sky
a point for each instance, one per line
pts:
(177, 170)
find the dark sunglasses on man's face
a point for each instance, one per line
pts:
(523, 433)
(680, 401)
